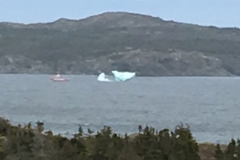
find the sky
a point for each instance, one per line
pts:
(221, 13)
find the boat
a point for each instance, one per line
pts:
(59, 78)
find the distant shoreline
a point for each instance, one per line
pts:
(111, 75)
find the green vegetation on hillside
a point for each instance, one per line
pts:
(29, 143)
(89, 45)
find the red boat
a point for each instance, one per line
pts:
(58, 78)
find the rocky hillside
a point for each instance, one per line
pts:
(147, 45)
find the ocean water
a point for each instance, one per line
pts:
(209, 105)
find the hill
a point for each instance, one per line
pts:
(118, 40)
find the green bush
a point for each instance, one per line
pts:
(28, 143)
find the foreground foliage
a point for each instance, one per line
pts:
(28, 143)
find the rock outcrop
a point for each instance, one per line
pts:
(120, 41)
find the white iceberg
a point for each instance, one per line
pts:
(123, 76)
(102, 78)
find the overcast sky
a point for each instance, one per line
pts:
(222, 13)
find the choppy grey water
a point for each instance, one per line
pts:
(209, 105)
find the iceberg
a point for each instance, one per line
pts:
(102, 78)
(123, 76)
